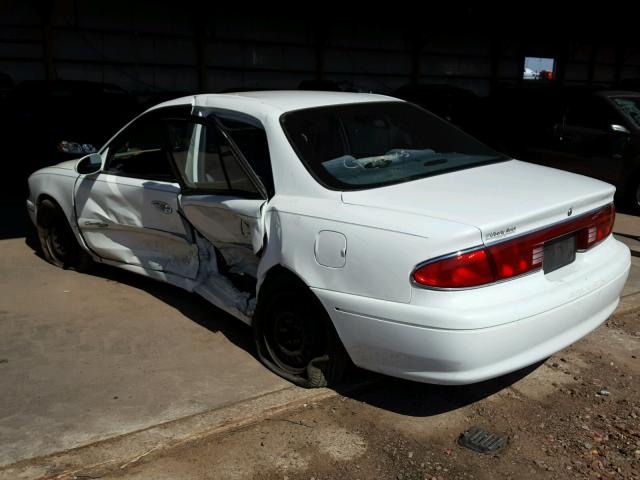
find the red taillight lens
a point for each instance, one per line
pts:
(600, 227)
(465, 269)
(513, 257)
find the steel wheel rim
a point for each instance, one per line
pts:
(58, 241)
(290, 341)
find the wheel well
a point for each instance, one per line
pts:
(279, 275)
(39, 201)
(276, 276)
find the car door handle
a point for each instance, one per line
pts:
(90, 223)
(164, 207)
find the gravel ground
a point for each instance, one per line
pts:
(577, 415)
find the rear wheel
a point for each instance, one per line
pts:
(295, 338)
(58, 243)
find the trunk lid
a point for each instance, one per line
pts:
(502, 199)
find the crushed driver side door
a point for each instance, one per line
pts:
(128, 213)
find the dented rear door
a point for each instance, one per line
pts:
(221, 195)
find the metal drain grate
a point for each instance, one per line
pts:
(481, 441)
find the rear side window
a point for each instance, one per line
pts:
(252, 142)
(140, 152)
(357, 146)
(205, 161)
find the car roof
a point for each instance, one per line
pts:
(277, 101)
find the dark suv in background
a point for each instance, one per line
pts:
(594, 133)
(456, 105)
(45, 122)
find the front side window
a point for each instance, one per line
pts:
(357, 146)
(140, 152)
(205, 160)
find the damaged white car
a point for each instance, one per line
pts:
(344, 227)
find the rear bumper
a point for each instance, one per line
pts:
(409, 340)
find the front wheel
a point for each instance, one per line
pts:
(58, 243)
(295, 338)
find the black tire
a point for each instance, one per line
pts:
(294, 336)
(58, 243)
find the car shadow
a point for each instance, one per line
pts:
(191, 305)
(415, 399)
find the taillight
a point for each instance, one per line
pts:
(464, 269)
(514, 257)
(600, 227)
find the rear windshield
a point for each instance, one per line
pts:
(364, 145)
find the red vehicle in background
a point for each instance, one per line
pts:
(545, 75)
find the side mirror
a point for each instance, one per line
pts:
(89, 164)
(615, 128)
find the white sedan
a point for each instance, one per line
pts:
(344, 227)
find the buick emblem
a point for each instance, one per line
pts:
(569, 212)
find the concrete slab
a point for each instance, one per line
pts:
(119, 452)
(88, 357)
(627, 225)
(627, 230)
(632, 286)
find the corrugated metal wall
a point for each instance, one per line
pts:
(192, 47)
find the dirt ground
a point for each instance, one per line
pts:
(577, 415)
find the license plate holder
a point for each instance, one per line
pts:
(558, 253)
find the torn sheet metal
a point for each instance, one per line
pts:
(218, 289)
